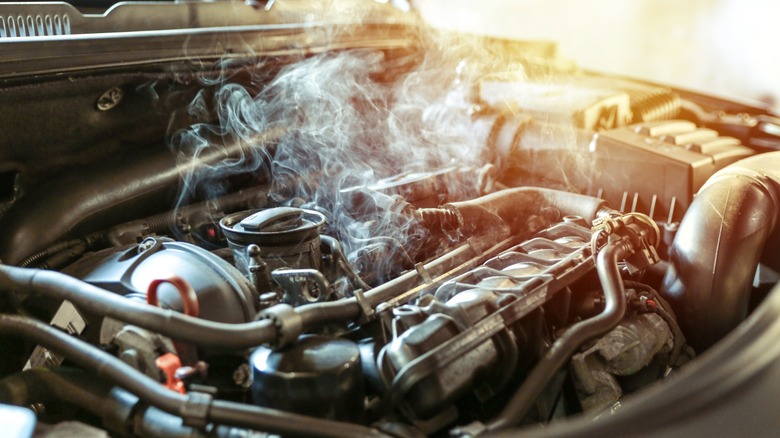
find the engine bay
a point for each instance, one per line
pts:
(371, 242)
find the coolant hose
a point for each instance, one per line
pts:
(191, 407)
(80, 388)
(69, 385)
(164, 321)
(222, 335)
(722, 238)
(576, 335)
(247, 335)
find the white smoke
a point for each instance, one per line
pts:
(330, 122)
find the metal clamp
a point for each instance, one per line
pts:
(367, 312)
(302, 286)
(423, 273)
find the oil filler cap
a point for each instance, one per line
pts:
(273, 219)
(287, 237)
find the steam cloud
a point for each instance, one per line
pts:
(331, 122)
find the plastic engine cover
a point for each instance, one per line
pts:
(224, 294)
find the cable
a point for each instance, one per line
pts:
(665, 311)
(46, 252)
(194, 407)
(222, 335)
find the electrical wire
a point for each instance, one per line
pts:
(191, 408)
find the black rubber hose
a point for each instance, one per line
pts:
(565, 346)
(164, 321)
(150, 391)
(287, 424)
(512, 208)
(729, 228)
(214, 334)
(115, 407)
(318, 314)
(69, 385)
(104, 365)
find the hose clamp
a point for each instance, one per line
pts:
(195, 409)
(288, 324)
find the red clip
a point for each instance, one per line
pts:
(187, 294)
(652, 305)
(168, 363)
(187, 353)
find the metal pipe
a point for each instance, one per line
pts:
(454, 262)
(565, 346)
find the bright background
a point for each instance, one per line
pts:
(723, 47)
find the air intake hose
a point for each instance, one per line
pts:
(506, 212)
(729, 227)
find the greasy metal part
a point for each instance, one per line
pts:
(257, 271)
(302, 286)
(572, 338)
(433, 363)
(412, 284)
(729, 229)
(623, 351)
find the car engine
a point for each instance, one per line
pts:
(373, 239)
